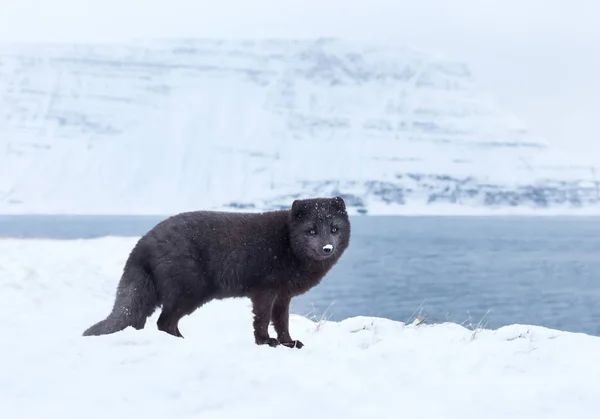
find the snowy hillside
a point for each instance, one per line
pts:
(161, 127)
(360, 368)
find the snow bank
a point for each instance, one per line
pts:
(50, 291)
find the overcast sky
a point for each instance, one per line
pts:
(540, 58)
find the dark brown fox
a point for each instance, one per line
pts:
(194, 257)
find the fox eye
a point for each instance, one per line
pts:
(334, 229)
(312, 232)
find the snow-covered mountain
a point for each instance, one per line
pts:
(167, 126)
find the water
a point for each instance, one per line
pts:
(527, 270)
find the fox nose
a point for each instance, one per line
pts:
(328, 248)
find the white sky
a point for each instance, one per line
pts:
(540, 58)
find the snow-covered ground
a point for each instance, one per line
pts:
(50, 291)
(152, 127)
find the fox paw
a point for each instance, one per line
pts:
(293, 344)
(272, 342)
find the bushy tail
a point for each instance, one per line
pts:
(135, 301)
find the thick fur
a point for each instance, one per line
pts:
(192, 258)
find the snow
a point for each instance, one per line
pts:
(158, 127)
(50, 291)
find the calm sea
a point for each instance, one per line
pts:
(497, 270)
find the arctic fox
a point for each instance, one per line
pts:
(194, 257)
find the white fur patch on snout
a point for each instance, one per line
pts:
(328, 247)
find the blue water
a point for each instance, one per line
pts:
(527, 270)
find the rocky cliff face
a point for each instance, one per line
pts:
(161, 127)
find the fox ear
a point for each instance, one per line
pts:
(339, 204)
(298, 210)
